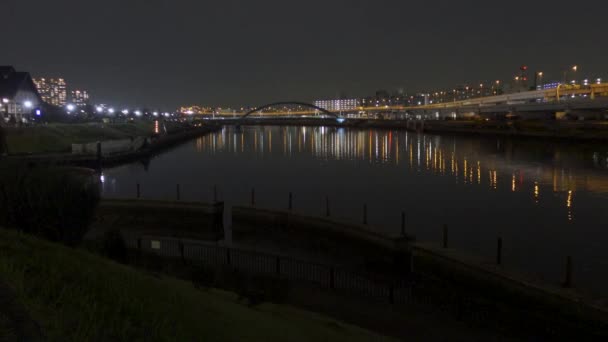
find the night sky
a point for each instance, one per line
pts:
(167, 53)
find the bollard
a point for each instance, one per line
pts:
(327, 206)
(178, 194)
(365, 214)
(445, 236)
(253, 197)
(499, 252)
(214, 193)
(138, 191)
(568, 280)
(290, 206)
(403, 223)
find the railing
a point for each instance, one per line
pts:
(387, 288)
(465, 304)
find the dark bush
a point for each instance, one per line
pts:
(114, 247)
(55, 203)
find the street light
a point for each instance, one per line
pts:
(28, 104)
(539, 79)
(70, 107)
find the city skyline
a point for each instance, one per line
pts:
(243, 53)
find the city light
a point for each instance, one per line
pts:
(70, 107)
(111, 110)
(99, 109)
(155, 113)
(125, 111)
(5, 100)
(137, 112)
(28, 104)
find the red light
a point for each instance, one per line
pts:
(524, 67)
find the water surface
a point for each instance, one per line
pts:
(547, 200)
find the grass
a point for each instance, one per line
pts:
(78, 296)
(56, 138)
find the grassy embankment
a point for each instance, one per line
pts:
(75, 295)
(58, 138)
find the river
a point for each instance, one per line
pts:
(546, 200)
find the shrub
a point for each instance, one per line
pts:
(52, 202)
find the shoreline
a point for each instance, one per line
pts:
(162, 144)
(578, 131)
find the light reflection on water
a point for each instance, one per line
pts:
(546, 200)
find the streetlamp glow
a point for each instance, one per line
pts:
(5, 100)
(99, 109)
(125, 111)
(138, 113)
(575, 68)
(28, 104)
(111, 110)
(70, 107)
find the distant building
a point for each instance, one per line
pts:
(339, 105)
(52, 90)
(19, 98)
(79, 97)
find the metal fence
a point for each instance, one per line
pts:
(391, 289)
(415, 288)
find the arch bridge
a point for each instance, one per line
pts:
(286, 103)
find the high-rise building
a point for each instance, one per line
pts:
(52, 90)
(79, 97)
(338, 105)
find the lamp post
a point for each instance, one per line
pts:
(539, 80)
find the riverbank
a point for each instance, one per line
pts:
(590, 131)
(74, 295)
(87, 133)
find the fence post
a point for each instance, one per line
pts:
(178, 194)
(279, 265)
(445, 236)
(568, 280)
(332, 276)
(365, 213)
(253, 197)
(99, 156)
(327, 206)
(391, 293)
(228, 261)
(499, 252)
(403, 223)
(138, 191)
(181, 252)
(214, 193)
(290, 207)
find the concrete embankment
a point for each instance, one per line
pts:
(568, 130)
(458, 271)
(155, 146)
(193, 220)
(347, 243)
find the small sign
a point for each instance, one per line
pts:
(155, 244)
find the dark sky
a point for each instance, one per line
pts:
(165, 53)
